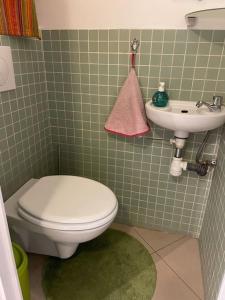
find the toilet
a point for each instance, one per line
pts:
(53, 214)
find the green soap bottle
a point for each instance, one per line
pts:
(160, 98)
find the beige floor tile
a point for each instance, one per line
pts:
(132, 231)
(36, 263)
(168, 285)
(183, 257)
(158, 239)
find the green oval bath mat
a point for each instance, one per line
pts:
(113, 266)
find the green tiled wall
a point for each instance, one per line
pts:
(24, 118)
(212, 238)
(85, 70)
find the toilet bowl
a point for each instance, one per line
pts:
(52, 215)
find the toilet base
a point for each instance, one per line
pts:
(66, 250)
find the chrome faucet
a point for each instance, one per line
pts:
(215, 106)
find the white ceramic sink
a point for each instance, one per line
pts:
(184, 117)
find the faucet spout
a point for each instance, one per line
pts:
(212, 107)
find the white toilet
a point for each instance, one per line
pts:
(52, 215)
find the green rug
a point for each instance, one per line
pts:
(113, 266)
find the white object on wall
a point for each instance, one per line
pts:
(7, 76)
(221, 295)
(9, 283)
(115, 14)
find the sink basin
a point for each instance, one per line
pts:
(184, 117)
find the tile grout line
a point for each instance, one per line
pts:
(178, 276)
(162, 247)
(156, 252)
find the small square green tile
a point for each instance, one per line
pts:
(193, 36)
(221, 74)
(198, 85)
(83, 35)
(124, 35)
(192, 48)
(103, 59)
(181, 35)
(175, 84)
(146, 35)
(154, 71)
(168, 48)
(157, 35)
(103, 35)
(73, 35)
(124, 47)
(113, 58)
(155, 59)
(216, 48)
(84, 47)
(186, 84)
(202, 61)
(212, 74)
(204, 49)
(156, 48)
(93, 35)
(103, 47)
(188, 72)
(135, 33)
(180, 48)
(145, 47)
(113, 35)
(206, 35)
(219, 36)
(169, 35)
(165, 73)
(55, 35)
(113, 47)
(93, 46)
(176, 72)
(200, 73)
(145, 59)
(210, 85)
(167, 60)
(178, 60)
(214, 61)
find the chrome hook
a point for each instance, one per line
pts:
(134, 45)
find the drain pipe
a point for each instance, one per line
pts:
(178, 165)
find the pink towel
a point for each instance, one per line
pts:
(128, 114)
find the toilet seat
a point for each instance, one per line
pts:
(68, 203)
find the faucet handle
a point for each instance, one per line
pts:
(217, 101)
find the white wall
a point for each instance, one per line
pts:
(106, 14)
(9, 283)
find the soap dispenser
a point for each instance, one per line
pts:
(160, 98)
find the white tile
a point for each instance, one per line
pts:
(183, 257)
(169, 286)
(158, 239)
(132, 231)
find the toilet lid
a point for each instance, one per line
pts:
(68, 199)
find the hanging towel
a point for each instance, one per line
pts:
(128, 114)
(18, 18)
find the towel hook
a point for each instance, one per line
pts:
(134, 47)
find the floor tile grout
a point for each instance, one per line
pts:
(156, 252)
(161, 247)
(190, 288)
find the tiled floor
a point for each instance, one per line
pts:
(176, 257)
